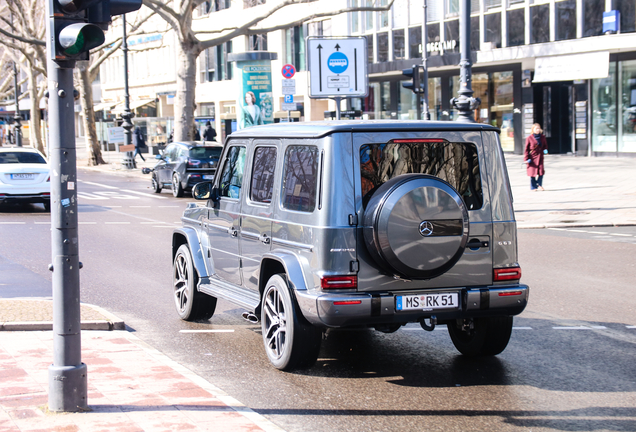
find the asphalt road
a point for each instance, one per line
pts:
(569, 365)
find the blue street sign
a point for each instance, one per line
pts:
(611, 21)
(289, 98)
(337, 62)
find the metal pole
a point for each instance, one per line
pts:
(337, 99)
(427, 114)
(68, 387)
(465, 103)
(17, 133)
(127, 161)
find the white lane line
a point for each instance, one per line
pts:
(98, 184)
(581, 231)
(12, 223)
(208, 331)
(139, 206)
(42, 223)
(558, 229)
(143, 194)
(621, 235)
(597, 232)
(580, 328)
(522, 328)
(117, 223)
(630, 327)
(87, 223)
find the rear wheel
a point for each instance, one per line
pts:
(488, 336)
(177, 189)
(290, 341)
(156, 186)
(191, 304)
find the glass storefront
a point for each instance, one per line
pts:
(614, 109)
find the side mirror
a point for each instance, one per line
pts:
(204, 191)
(146, 170)
(158, 157)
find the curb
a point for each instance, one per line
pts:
(583, 225)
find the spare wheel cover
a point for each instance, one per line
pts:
(416, 226)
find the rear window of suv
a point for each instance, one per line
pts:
(456, 163)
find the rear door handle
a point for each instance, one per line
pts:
(233, 232)
(476, 244)
(265, 238)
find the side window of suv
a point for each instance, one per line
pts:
(232, 175)
(300, 178)
(262, 184)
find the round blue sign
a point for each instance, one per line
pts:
(337, 62)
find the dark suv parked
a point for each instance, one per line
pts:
(184, 164)
(341, 224)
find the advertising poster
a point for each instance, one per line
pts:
(255, 105)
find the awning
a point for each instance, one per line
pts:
(572, 67)
(104, 106)
(119, 109)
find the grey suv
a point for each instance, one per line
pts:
(339, 224)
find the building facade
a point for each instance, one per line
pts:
(544, 61)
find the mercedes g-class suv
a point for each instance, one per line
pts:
(359, 223)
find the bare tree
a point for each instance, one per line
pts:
(191, 42)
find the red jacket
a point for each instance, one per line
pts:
(534, 152)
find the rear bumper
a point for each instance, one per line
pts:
(25, 198)
(378, 308)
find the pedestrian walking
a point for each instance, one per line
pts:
(536, 147)
(1, 135)
(197, 135)
(139, 141)
(209, 134)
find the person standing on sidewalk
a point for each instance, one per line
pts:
(209, 134)
(536, 147)
(139, 141)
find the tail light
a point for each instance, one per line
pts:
(48, 179)
(338, 282)
(193, 163)
(507, 274)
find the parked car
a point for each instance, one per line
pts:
(361, 223)
(24, 176)
(184, 164)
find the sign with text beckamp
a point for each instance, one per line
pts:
(337, 67)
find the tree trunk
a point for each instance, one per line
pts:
(93, 149)
(186, 83)
(35, 123)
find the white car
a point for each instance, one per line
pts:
(24, 176)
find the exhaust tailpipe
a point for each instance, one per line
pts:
(249, 316)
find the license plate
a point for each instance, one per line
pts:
(427, 302)
(208, 177)
(22, 176)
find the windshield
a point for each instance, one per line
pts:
(21, 157)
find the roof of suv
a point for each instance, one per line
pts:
(319, 129)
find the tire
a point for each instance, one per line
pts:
(191, 305)
(156, 186)
(290, 341)
(177, 189)
(489, 337)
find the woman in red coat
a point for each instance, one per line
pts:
(536, 147)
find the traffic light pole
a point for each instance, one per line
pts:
(128, 161)
(67, 375)
(427, 115)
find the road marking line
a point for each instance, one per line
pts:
(42, 223)
(558, 229)
(87, 223)
(522, 328)
(581, 231)
(117, 223)
(580, 328)
(139, 206)
(630, 327)
(12, 223)
(208, 331)
(596, 232)
(622, 235)
(143, 194)
(98, 184)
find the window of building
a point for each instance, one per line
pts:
(207, 65)
(452, 8)
(262, 184)
(319, 28)
(492, 4)
(433, 158)
(206, 109)
(355, 17)
(474, 6)
(475, 44)
(415, 42)
(492, 26)
(251, 3)
(516, 27)
(432, 36)
(223, 69)
(399, 49)
(407, 106)
(434, 10)
(257, 42)
(295, 47)
(232, 174)
(300, 178)
(565, 19)
(627, 140)
(400, 14)
(627, 8)
(370, 48)
(383, 16)
(451, 33)
(540, 24)
(368, 16)
(604, 106)
(209, 6)
(383, 47)
(593, 17)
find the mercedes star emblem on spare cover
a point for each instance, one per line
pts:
(426, 228)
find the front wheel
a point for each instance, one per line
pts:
(177, 189)
(156, 186)
(290, 341)
(486, 337)
(191, 304)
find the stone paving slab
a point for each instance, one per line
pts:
(131, 387)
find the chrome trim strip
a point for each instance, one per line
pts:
(282, 242)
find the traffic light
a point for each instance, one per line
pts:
(77, 26)
(416, 73)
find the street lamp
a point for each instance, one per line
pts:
(465, 103)
(128, 161)
(17, 126)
